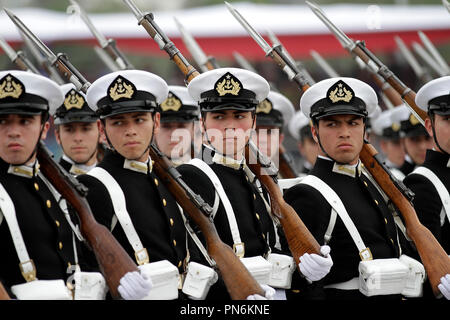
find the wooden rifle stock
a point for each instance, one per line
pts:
(299, 238)
(113, 260)
(434, 258)
(285, 165)
(3, 293)
(239, 282)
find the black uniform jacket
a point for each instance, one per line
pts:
(365, 207)
(152, 209)
(427, 203)
(256, 227)
(45, 230)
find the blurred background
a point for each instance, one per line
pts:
(375, 22)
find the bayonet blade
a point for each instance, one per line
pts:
(417, 68)
(10, 52)
(342, 37)
(136, 11)
(446, 5)
(433, 51)
(22, 27)
(253, 33)
(243, 62)
(324, 64)
(428, 59)
(193, 47)
(76, 8)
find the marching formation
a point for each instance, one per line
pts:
(168, 192)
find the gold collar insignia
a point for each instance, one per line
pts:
(24, 171)
(10, 86)
(347, 169)
(228, 162)
(142, 167)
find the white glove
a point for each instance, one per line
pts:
(313, 266)
(269, 294)
(134, 286)
(444, 286)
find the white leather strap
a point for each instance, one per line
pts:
(9, 212)
(336, 204)
(440, 187)
(120, 210)
(238, 244)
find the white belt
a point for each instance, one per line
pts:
(120, 209)
(352, 284)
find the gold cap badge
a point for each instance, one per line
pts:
(228, 84)
(413, 120)
(10, 86)
(340, 91)
(395, 126)
(171, 103)
(264, 106)
(73, 100)
(121, 88)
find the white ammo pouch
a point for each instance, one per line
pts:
(258, 267)
(283, 266)
(198, 281)
(164, 275)
(33, 289)
(376, 277)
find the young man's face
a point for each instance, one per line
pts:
(79, 141)
(268, 140)
(309, 149)
(416, 147)
(174, 138)
(19, 135)
(229, 130)
(131, 133)
(342, 137)
(442, 129)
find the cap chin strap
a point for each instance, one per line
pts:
(435, 138)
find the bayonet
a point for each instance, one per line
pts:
(205, 63)
(446, 5)
(420, 72)
(428, 59)
(276, 53)
(60, 61)
(434, 52)
(18, 58)
(359, 49)
(243, 63)
(107, 60)
(147, 21)
(108, 45)
(329, 70)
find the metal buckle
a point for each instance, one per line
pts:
(366, 254)
(239, 249)
(142, 256)
(28, 270)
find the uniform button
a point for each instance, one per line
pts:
(365, 183)
(156, 182)
(174, 242)
(263, 235)
(171, 221)
(254, 196)
(49, 204)
(60, 245)
(376, 202)
(164, 202)
(57, 223)
(385, 220)
(392, 241)
(69, 264)
(257, 216)
(180, 263)
(36, 186)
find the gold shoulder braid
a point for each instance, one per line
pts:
(171, 103)
(340, 92)
(11, 87)
(228, 84)
(121, 88)
(73, 100)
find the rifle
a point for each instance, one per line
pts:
(60, 61)
(359, 49)
(428, 59)
(3, 293)
(434, 52)
(434, 258)
(108, 45)
(113, 260)
(18, 58)
(239, 282)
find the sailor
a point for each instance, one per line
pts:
(39, 240)
(430, 182)
(179, 126)
(338, 109)
(77, 131)
(415, 139)
(388, 133)
(272, 118)
(125, 194)
(228, 98)
(300, 130)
